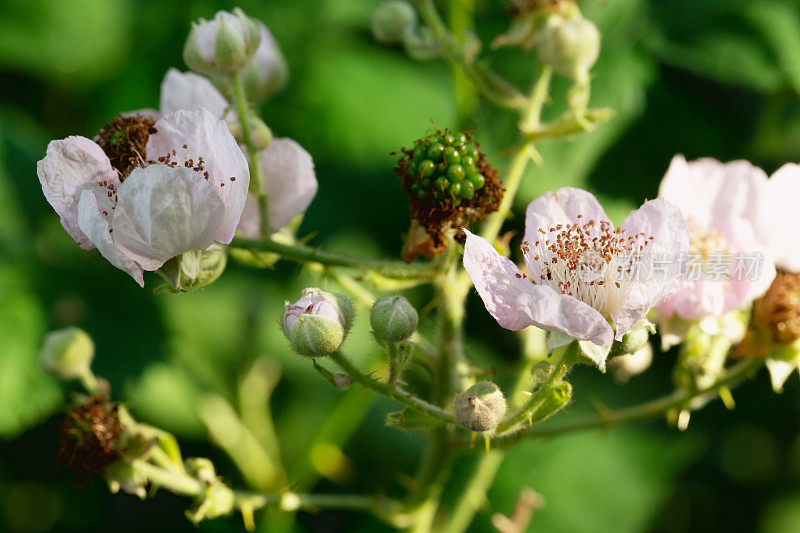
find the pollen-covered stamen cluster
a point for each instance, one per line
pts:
(124, 141)
(778, 311)
(590, 261)
(705, 245)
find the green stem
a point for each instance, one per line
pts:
(644, 411)
(474, 495)
(306, 254)
(392, 391)
(530, 118)
(493, 87)
(535, 400)
(256, 176)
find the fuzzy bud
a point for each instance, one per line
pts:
(196, 268)
(393, 21)
(393, 318)
(481, 407)
(222, 46)
(318, 322)
(67, 353)
(631, 342)
(569, 45)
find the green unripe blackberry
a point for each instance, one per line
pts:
(450, 160)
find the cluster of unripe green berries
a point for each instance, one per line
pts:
(444, 166)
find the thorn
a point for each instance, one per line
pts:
(472, 440)
(683, 419)
(605, 413)
(727, 398)
(487, 442)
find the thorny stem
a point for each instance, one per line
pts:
(392, 391)
(490, 84)
(256, 176)
(306, 254)
(635, 413)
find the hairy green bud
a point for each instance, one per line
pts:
(393, 21)
(569, 45)
(318, 322)
(67, 353)
(481, 407)
(393, 318)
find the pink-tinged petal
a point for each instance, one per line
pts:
(95, 225)
(709, 192)
(250, 223)
(289, 180)
(205, 136)
(745, 285)
(163, 212)
(784, 190)
(71, 166)
(560, 207)
(663, 221)
(187, 90)
(779, 372)
(516, 303)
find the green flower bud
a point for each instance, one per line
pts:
(223, 45)
(393, 21)
(318, 322)
(481, 407)
(569, 45)
(196, 268)
(67, 353)
(260, 133)
(631, 342)
(393, 318)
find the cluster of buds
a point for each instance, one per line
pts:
(450, 185)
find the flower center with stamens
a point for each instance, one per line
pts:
(707, 248)
(588, 260)
(124, 141)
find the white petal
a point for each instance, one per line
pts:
(95, 225)
(784, 189)
(207, 137)
(71, 166)
(663, 221)
(779, 372)
(187, 90)
(163, 212)
(289, 180)
(517, 303)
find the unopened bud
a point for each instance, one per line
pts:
(318, 322)
(222, 46)
(260, 133)
(393, 318)
(267, 72)
(201, 469)
(481, 407)
(195, 269)
(569, 45)
(392, 21)
(67, 353)
(631, 342)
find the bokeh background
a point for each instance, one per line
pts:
(714, 78)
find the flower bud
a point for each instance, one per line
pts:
(631, 342)
(318, 322)
(67, 353)
(223, 45)
(260, 133)
(393, 318)
(569, 45)
(196, 268)
(392, 21)
(481, 407)
(267, 73)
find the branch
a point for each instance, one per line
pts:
(643, 411)
(306, 254)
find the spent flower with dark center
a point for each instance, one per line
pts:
(449, 182)
(778, 311)
(88, 438)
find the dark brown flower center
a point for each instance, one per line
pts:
(778, 311)
(124, 141)
(88, 436)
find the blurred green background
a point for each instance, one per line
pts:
(700, 77)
